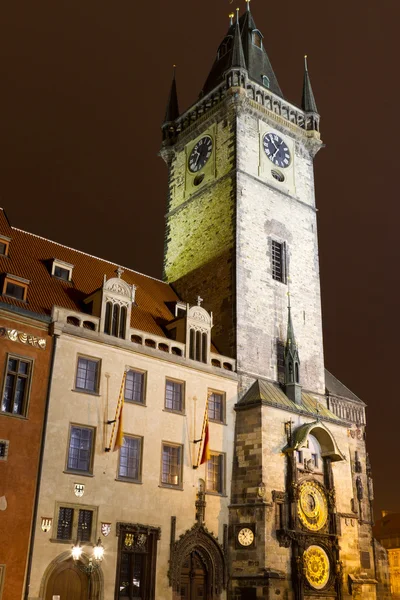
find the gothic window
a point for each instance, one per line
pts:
(257, 39)
(80, 449)
(171, 465)
(136, 567)
(75, 523)
(266, 82)
(296, 370)
(87, 374)
(215, 473)
(278, 254)
(129, 465)
(198, 344)
(16, 386)
(216, 407)
(174, 395)
(115, 320)
(315, 451)
(135, 386)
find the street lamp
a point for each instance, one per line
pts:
(93, 563)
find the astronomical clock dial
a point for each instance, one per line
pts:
(245, 536)
(316, 567)
(200, 154)
(312, 506)
(276, 150)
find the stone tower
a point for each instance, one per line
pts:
(241, 216)
(240, 227)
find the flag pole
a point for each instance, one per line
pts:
(117, 412)
(205, 422)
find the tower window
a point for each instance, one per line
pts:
(266, 82)
(278, 261)
(115, 320)
(257, 39)
(198, 345)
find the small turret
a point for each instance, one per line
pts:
(292, 362)
(308, 103)
(172, 110)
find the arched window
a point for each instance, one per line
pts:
(204, 348)
(266, 82)
(296, 367)
(115, 320)
(122, 322)
(192, 344)
(107, 323)
(198, 346)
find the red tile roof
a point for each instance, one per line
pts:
(30, 258)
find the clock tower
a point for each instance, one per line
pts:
(241, 219)
(241, 231)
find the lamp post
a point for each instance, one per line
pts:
(93, 563)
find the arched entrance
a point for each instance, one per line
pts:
(197, 566)
(68, 582)
(193, 584)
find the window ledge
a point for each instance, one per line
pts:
(135, 402)
(79, 391)
(3, 413)
(127, 480)
(80, 473)
(174, 412)
(221, 495)
(165, 486)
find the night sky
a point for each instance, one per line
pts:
(83, 92)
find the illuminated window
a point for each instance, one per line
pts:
(171, 465)
(75, 523)
(16, 386)
(216, 408)
(215, 473)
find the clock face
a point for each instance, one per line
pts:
(312, 506)
(200, 154)
(316, 567)
(276, 150)
(245, 536)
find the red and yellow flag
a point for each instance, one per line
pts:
(206, 455)
(119, 440)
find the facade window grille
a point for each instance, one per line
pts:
(136, 565)
(135, 386)
(130, 458)
(216, 408)
(87, 374)
(85, 519)
(4, 444)
(80, 449)
(174, 395)
(171, 467)
(75, 523)
(65, 522)
(16, 386)
(215, 474)
(278, 261)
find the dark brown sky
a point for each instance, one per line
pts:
(83, 91)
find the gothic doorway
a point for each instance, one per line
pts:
(193, 584)
(68, 582)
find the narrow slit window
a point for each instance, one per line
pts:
(278, 261)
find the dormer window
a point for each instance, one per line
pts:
(257, 38)
(265, 81)
(15, 287)
(115, 321)
(61, 270)
(4, 245)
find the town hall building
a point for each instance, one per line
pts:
(194, 446)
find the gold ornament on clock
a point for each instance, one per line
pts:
(312, 506)
(316, 567)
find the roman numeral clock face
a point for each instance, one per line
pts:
(200, 154)
(276, 150)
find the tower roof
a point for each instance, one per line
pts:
(255, 56)
(172, 111)
(237, 55)
(308, 103)
(291, 346)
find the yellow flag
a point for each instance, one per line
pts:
(119, 440)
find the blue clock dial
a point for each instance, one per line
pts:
(200, 154)
(276, 150)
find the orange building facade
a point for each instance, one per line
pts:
(25, 357)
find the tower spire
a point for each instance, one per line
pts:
(292, 361)
(308, 103)
(248, 5)
(172, 111)
(237, 58)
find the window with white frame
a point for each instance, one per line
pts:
(61, 270)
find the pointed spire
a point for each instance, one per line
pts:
(248, 5)
(231, 17)
(237, 58)
(290, 339)
(172, 111)
(292, 362)
(308, 103)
